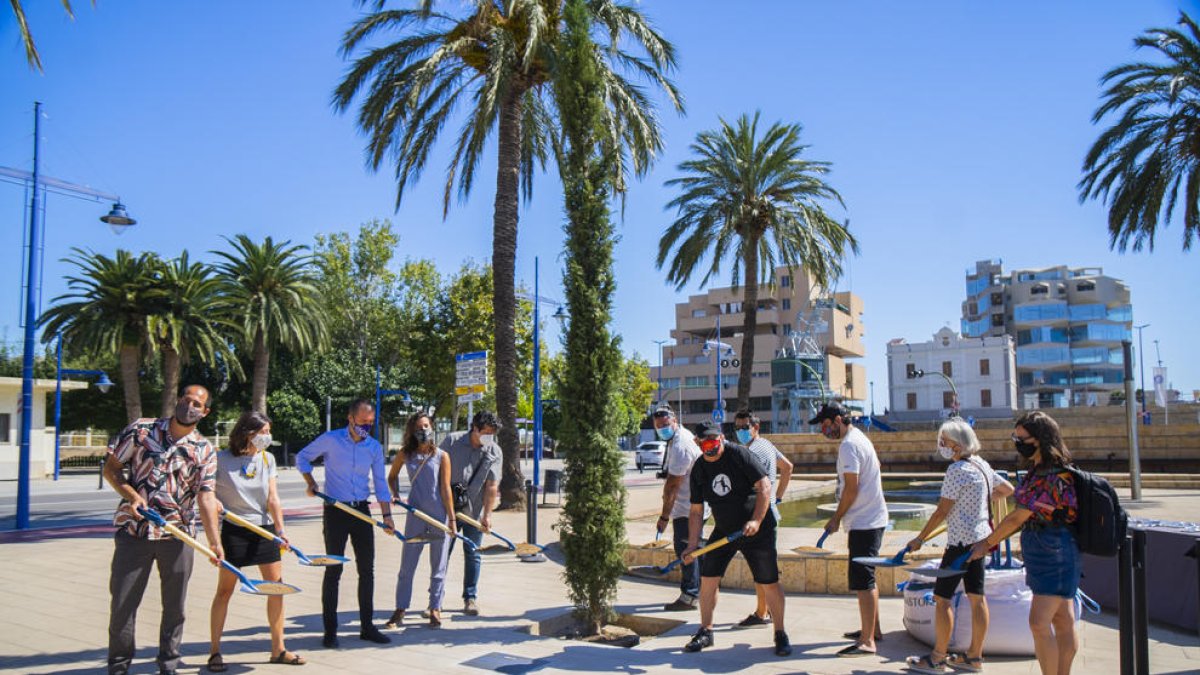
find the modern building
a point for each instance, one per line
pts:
(982, 371)
(41, 446)
(1068, 324)
(790, 308)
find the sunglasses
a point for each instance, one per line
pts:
(661, 414)
(1021, 439)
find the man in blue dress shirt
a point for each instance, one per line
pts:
(353, 460)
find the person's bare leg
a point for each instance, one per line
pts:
(772, 595)
(274, 572)
(980, 618)
(1045, 647)
(760, 608)
(1065, 636)
(868, 610)
(708, 600)
(226, 583)
(943, 625)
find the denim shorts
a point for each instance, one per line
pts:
(1052, 561)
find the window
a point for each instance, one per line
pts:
(696, 381)
(787, 329)
(947, 399)
(1039, 289)
(5, 426)
(910, 370)
(1042, 311)
(997, 298)
(670, 383)
(785, 281)
(997, 320)
(985, 367)
(985, 398)
(947, 369)
(787, 303)
(1084, 286)
(699, 313)
(911, 400)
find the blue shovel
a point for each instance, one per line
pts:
(248, 585)
(957, 567)
(321, 560)
(819, 549)
(655, 571)
(367, 519)
(433, 521)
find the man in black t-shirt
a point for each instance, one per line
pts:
(739, 493)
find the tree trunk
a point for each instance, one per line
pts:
(749, 327)
(129, 358)
(170, 375)
(262, 361)
(504, 255)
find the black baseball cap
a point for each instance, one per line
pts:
(830, 411)
(708, 428)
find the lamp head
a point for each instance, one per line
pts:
(118, 219)
(104, 384)
(560, 314)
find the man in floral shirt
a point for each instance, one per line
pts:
(166, 465)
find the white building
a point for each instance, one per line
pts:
(41, 446)
(982, 369)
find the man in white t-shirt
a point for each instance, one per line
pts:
(681, 453)
(864, 513)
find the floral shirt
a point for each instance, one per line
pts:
(168, 474)
(1050, 496)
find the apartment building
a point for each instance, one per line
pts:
(1068, 324)
(975, 377)
(689, 371)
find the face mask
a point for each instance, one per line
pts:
(487, 439)
(710, 446)
(1026, 450)
(261, 441)
(363, 431)
(665, 433)
(946, 452)
(831, 433)
(186, 415)
(744, 436)
(424, 436)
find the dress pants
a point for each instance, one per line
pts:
(131, 562)
(338, 526)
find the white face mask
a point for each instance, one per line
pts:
(946, 451)
(261, 441)
(486, 439)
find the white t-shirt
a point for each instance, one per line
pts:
(856, 454)
(244, 483)
(682, 453)
(968, 484)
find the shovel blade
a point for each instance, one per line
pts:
(324, 560)
(877, 561)
(269, 588)
(647, 571)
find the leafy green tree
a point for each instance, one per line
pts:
(107, 310)
(271, 296)
(755, 202)
(593, 518)
(1148, 161)
(295, 419)
(358, 288)
(635, 392)
(497, 63)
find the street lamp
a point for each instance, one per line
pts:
(918, 373)
(721, 348)
(660, 344)
(379, 394)
(117, 218)
(1142, 367)
(872, 398)
(103, 384)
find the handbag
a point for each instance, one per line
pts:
(462, 498)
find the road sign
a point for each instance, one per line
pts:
(470, 370)
(470, 389)
(471, 356)
(466, 398)
(718, 415)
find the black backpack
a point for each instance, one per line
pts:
(1101, 523)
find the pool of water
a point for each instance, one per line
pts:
(804, 512)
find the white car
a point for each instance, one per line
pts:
(650, 453)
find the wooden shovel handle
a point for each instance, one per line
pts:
(472, 522)
(425, 517)
(240, 521)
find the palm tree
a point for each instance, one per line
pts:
(1138, 166)
(270, 294)
(753, 201)
(497, 62)
(189, 324)
(107, 310)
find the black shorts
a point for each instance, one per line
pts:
(972, 580)
(863, 544)
(759, 552)
(243, 547)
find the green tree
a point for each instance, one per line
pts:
(497, 62)
(271, 297)
(593, 518)
(294, 418)
(188, 323)
(358, 289)
(107, 310)
(1139, 165)
(754, 201)
(635, 392)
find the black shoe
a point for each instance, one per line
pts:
(703, 638)
(752, 620)
(330, 642)
(372, 634)
(782, 646)
(855, 634)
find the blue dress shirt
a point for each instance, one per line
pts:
(346, 466)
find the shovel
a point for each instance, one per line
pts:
(956, 568)
(433, 521)
(368, 519)
(815, 550)
(655, 571)
(321, 560)
(896, 560)
(248, 585)
(520, 549)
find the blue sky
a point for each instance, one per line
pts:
(955, 129)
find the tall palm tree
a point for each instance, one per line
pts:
(755, 202)
(107, 310)
(495, 61)
(189, 323)
(270, 295)
(1139, 165)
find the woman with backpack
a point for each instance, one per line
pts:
(969, 488)
(428, 470)
(1046, 508)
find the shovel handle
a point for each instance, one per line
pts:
(462, 517)
(701, 551)
(359, 514)
(821, 541)
(433, 521)
(156, 518)
(242, 522)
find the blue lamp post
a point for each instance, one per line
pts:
(102, 383)
(379, 394)
(117, 218)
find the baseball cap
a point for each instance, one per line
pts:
(708, 428)
(830, 411)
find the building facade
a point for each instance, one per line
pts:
(692, 365)
(982, 369)
(1068, 324)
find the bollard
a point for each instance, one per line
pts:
(530, 512)
(1125, 604)
(100, 484)
(1141, 622)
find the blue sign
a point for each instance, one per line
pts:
(471, 356)
(718, 415)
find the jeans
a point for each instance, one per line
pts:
(1052, 561)
(338, 527)
(471, 560)
(131, 562)
(689, 575)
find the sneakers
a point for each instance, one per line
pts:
(703, 638)
(470, 608)
(782, 646)
(753, 620)
(683, 603)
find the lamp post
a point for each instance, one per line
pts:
(104, 384)
(1141, 366)
(660, 344)
(718, 413)
(872, 398)
(918, 373)
(117, 218)
(561, 315)
(379, 394)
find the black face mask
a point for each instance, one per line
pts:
(1024, 449)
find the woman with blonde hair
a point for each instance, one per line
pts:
(969, 487)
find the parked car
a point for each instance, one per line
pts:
(650, 453)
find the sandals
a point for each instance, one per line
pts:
(964, 662)
(855, 650)
(855, 634)
(435, 618)
(396, 620)
(216, 664)
(926, 664)
(288, 659)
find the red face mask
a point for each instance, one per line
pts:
(710, 446)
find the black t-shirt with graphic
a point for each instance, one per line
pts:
(728, 486)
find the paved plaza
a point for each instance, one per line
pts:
(54, 597)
